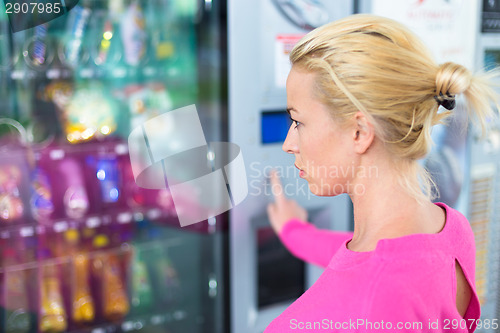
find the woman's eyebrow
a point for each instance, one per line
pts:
(290, 109)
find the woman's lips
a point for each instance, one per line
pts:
(301, 172)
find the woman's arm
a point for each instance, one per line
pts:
(306, 242)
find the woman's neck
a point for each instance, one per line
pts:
(387, 210)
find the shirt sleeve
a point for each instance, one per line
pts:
(306, 242)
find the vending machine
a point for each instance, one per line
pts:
(265, 278)
(82, 247)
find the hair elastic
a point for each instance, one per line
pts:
(447, 101)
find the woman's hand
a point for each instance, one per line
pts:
(282, 209)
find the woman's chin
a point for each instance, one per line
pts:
(323, 191)
(320, 192)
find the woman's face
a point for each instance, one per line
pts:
(322, 148)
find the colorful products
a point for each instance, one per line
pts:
(113, 295)
(11, 205)
(105, 43)
(73, 48)
(52, 313)
(59, 92)
(107, 174)
(17, 317)
(91, 113)
(83, 309)
(41, 198)
(141, 293)
(38, 52)
(133, 34)
(163, 272)
(76, 202)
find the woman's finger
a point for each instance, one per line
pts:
(277, 188)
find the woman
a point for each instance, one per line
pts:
(363, 94)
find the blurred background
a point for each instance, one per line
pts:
(84, 249)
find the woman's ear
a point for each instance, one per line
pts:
(364, 133)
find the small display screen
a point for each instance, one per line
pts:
(274, 126)
(491, 59)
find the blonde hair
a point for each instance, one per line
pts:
(379, 67)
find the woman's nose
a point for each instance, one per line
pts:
(290, 145)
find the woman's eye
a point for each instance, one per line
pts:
(295, 121)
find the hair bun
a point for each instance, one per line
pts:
(451, 79)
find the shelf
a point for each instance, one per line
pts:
(92, 221)
(98, 73)
(139, 323)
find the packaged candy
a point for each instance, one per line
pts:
(107, 174)
(134, 34)
(91, 113)
(147, 101)
(83, 308)
(76, 202)
(58, 92)
(141, 289)
(11, 204)
(163, 272)
(107, 271)
(38, 50)
(103, 49)
(52, 312)
(41, 197)
(17, 316)
(72, 51)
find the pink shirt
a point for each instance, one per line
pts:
(407, 284)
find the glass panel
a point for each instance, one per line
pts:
(82, 247)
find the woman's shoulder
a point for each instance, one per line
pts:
(456, 238)
(417, 254)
